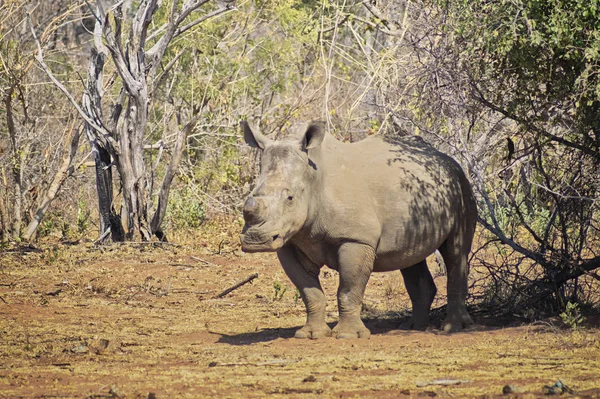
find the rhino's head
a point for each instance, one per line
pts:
(279, 205)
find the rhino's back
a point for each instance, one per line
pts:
(398, 195)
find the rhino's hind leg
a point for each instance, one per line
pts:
(454, 251)
(305, 277)
(421, 290)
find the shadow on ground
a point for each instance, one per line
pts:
(265, 335)
(383, 324)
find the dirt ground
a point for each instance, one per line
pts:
(136, 321)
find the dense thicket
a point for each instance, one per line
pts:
(509, 88)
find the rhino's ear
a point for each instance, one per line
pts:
(314, 136)
(254, 138)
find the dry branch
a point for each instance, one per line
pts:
(40, 59)
(237, 285)
(444, 382)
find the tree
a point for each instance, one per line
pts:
(42, 137)
(136, 38)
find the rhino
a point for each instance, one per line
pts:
(377, 205)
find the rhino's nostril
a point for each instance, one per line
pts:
(276, 236)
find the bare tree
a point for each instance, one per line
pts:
(136, 41)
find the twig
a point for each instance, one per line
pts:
(102, 236)
(202, 261)
(237, 285)
(3, 300)
(188, 291)
(441, 382)
(184, 265)
(153, 243)
(274, 362)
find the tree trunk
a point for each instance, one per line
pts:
(59, 178)
(109, 219)
(165, 187)
(4, 229)
(132, 168)
(16, 165)
(101, 149)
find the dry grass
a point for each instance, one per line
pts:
(124, 321)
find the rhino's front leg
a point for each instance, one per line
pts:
(305, 276)
(355, 264)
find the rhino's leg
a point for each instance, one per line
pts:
(305, 276)
(355, 264)
(421, 290)
(454, 251)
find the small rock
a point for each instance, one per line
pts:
(508, 389)
(83, 348)
(310, 378)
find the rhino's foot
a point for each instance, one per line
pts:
(457, 320)
(313, 331)
(347, 330)
(415, 324)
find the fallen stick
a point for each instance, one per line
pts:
(188, 291)
(441, 382)
(274, 362)
(237, 285)
(3, 300)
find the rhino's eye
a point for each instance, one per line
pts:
(290, 197)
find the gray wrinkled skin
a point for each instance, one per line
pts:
(377, 205)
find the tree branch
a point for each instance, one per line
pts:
(206, 17)
(59, 178)
(562, 277)
(40, 59)
(165, 187)
(530, 126)
(165, 71)
(498, 233)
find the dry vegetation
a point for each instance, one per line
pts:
(507, 88)
(129, 321)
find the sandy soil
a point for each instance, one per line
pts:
(142, 322)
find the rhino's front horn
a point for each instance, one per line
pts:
(254, 211)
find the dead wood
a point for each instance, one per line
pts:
(443, 382)
(237, 285)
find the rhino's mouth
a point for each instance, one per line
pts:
(254, 239)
